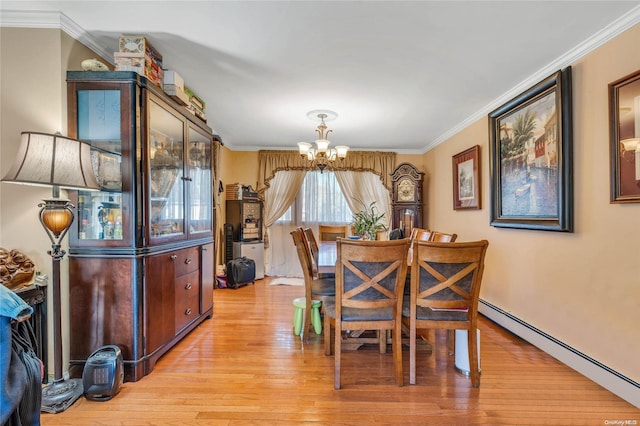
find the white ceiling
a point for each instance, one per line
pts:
(402, 76)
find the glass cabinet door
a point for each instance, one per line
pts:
(200, 182)
(99, 123)
(166, 173)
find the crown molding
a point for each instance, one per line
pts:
(609, 32)
(52, 19)
(233, 147)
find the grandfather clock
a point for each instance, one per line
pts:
(406, 198)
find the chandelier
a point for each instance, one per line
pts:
(322, 156)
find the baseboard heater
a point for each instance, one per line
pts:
(605, 376)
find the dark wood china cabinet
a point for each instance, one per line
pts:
(141, 249)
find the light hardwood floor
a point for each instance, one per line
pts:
(245, 367)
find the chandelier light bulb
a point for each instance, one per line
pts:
(322, 145)
(342, 151)
(303, 148)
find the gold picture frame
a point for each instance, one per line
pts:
(466, 179)
(624, 130)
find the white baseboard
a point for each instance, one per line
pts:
(624, 387)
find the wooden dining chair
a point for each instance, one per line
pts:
(332, 232)
(435, 236)
(314, 288)
(418, 234)
(312, 245)
(370, 277)
(445, 287)
(441, 237)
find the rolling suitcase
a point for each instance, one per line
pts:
(240, 272)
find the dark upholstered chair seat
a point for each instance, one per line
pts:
(323, 287)
(355, 314)
(330, 275)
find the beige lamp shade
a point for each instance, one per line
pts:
(53, 160)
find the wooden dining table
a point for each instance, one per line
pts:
(327, 256)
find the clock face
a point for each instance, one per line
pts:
(406, 190)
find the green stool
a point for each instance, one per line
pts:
(300, 305)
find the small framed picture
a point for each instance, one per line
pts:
(466, 179)
(624, 130)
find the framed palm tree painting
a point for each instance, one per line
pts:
(531, 162)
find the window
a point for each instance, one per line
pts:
(320, 200)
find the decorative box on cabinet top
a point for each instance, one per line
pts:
(141, 64)
(137, 54)
(138, 44)
(173, 85)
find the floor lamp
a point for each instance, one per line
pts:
(58, 162)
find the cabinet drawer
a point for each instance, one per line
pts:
(188, 260)
(187, 299)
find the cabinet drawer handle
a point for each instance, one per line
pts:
(187, 261)
(188, 311)
(188, 286)
(173, 257)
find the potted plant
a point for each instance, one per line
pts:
(367, 222)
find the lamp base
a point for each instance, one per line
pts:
(60, 395)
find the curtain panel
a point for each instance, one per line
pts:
(362, 187)
(218, 232)
(377, 162)
(281, 193)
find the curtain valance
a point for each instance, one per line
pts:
(379, 163)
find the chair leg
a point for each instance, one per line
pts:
(472, 342)
(337, 354)
(327, 335)
(412, 351)
(382, 341)
(397, 353)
